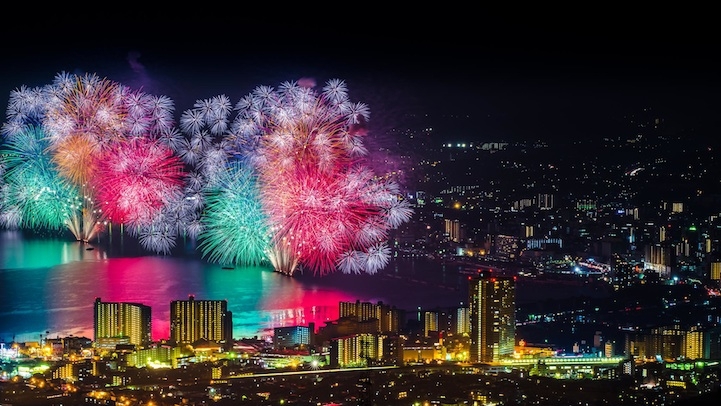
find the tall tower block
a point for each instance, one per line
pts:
(492, 308)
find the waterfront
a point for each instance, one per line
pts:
(48, 287)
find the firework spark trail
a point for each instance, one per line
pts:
(178, 218)
(319, 215)
(285, 181)
(140, 176)
(327, 210)
(235, 229)
(84, 119)
(35, 189)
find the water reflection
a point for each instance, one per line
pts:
(51, 285)
(17, 251)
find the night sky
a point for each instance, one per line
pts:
(509, 79)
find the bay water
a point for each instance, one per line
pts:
(48, 287)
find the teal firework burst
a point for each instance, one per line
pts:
(34, 187)
(235, 228)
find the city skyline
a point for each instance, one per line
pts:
(661, 246)
(574, 177)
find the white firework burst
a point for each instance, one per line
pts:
(376, 258)
(351, 262)
(12, 127)
(162, 110)
(172, 138)
(191, 121)
(11, 217)
(157, 237)
(336, 91)
(358, 113)
(398, 212)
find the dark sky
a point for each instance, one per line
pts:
(511, 80)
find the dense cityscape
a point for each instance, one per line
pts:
(632, 217)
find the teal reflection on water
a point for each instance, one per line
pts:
(51, 285)
(261, 299)
(19, 251)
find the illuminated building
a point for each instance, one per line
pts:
(122, 323)
(674, 342)
(586, 205)
(421, 198)
(69, 345)
(423, 353)
(442, 323)
(356, 350)
(492, 307)
(683, 248)
(677, 207)
(387, 318)
(659, 258)
(155, 357)
(545, 243)
(192, 320)
(521, 204)
(573, 367)
(461, 321)
(345, 326)
(293, 336)
(430, 322)
(608, 349)
(506, 247)
(597, 339)
(715, 273)
(545, 201)
(455, 231)
(65, 371)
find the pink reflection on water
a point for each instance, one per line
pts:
(150, 281)
(259, 298)
(301, 304)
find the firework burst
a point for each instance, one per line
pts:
(286, 181)
(140, 176)
(86, 122)
(326, 209)
(33, 188)
(236, 231)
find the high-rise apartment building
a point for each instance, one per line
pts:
(492, 308)
(545, 201)
(674, 342)
(506, 247)
(122, 323)
(660, 258)
(431, 322)
(715, 271)
(192, 320)
(293, 336)
(455, 230)
(356, 350)
(461, 321)
(388, 318)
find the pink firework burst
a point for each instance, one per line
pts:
(327, 210)
(321, 214)
(139, 177)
